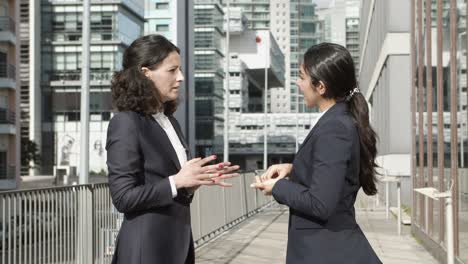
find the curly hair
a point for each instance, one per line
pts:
(131, 89)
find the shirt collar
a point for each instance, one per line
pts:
(162, 119)
(321, 114)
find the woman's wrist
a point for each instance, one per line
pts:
(177, 182)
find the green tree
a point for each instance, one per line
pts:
(29, 152)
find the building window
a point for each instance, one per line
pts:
(3, 165)
(161, 28)
(3, 65)
(162, 6)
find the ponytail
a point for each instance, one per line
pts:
(368, 141)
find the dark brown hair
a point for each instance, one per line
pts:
(131, 89)
(333, 65)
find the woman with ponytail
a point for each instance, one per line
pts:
(151, 176)
(335, 160)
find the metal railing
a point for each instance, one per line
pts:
(79, 224)
(7, 24)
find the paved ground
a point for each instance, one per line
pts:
(262, 239)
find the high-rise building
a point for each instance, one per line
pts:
(280, 25)
(352, 29)
(296, 27)
(24, 33)
(257, 12)
(341, 25)
(56, 121)
(209, 76)
(30, 99)
(333, 17)
(9, 94)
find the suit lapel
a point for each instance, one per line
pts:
(165, 142)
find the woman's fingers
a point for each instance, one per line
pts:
(217, 167)
(228, 176)
(257, 185)
(282, 174)
(230, 169)
(264, 176)
(204, 161)
(215, 182)
(207, 176)
(268, 174)
(193, 160)
(209, 183)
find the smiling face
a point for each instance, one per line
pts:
(312, 94)
(167, 77)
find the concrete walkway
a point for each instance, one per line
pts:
(263, 238)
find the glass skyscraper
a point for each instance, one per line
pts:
(114, 25)
(209, 76)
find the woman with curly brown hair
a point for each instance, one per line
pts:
(150, 180)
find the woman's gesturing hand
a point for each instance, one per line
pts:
(194, 173)
(276, 171)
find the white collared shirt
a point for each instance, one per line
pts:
(167, 126)
(318, 117)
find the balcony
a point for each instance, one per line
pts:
(7, 122)
(7, 29)
(97, 77)
(7, 116)
(7, 75)
(7, 172)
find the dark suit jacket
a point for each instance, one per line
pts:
(156, 227)
(321, 193)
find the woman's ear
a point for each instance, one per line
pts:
(322, 89)
(145, 71)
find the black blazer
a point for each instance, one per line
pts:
(140, 157)
(321, 193)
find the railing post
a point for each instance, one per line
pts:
(85, 226)
(387, 198)
(449, 229)
(433, 193)
(399, 206)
